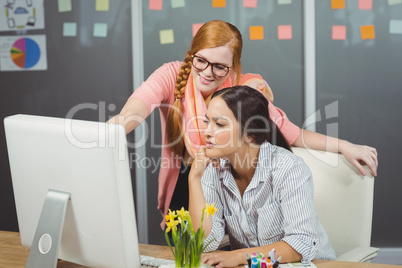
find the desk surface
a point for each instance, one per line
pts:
(13, 255)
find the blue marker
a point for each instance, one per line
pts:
(254, 263)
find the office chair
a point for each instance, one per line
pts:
(344, 203)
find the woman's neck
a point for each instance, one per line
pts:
(244, 163)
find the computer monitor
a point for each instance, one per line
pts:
(81, 169)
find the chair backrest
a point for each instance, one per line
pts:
(343, 199)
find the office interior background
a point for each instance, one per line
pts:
(90, 75)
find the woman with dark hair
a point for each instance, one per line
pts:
(182, 90)
(263, 192)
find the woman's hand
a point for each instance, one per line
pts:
(199, 164)
(224, 259)
(196, 195)
(359, 155)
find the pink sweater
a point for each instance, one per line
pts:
(158, 92)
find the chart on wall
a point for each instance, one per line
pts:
(21, 15)
(23, 53)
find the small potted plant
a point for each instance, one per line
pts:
(188, 244)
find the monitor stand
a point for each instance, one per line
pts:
(46, 243)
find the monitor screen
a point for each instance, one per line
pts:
(87, 160)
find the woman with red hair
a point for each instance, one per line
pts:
(182, 91)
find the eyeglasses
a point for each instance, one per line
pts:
(218, 70)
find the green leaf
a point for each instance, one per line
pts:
(168, 242)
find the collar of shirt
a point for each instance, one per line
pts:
(261, 174)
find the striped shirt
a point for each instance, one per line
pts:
(277, 206)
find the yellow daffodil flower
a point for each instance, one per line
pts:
(170, 216)
(210, 209)
(181, 212)
(171, 225)
(181, 215)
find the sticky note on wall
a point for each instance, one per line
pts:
(64, 5)
(284, 32)
(166, 36)
(338, 32)
(395, 26)
(284, 2)
(256, 32)
(69, 29)
(218, 3)
(337, 4)
(178, 3)
(365, 4)
(196, 27)
(394, 2)
(100, 29)
(102, 5)
(155, 4)
(367, 32)
(250, 3)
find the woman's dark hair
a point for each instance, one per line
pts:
(250, 108)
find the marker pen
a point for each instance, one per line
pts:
(254, 263)
(259, 261)
(248, 260)
(276, 264)
(272, 255)
(263, 263)
(269, 263)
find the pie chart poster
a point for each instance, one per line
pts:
(23, 53)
